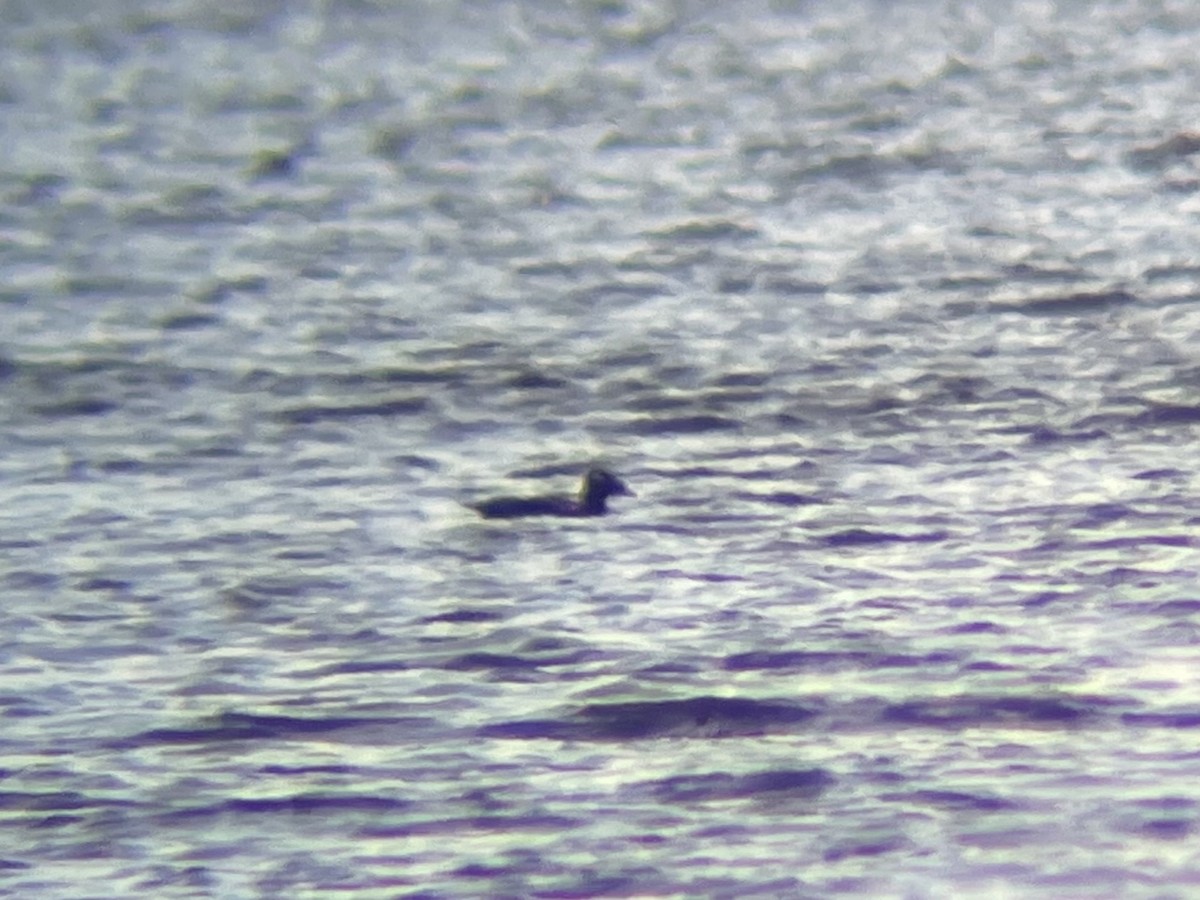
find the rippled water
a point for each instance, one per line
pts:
(888, 313)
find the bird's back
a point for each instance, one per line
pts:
(516, 507)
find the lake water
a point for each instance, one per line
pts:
(888, 312)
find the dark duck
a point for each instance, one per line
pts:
(598, 485)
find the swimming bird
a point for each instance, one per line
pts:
(598, 485)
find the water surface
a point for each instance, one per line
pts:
(887, 312)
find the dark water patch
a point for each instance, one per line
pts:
(534, 380)
(1139, 540)
(1177, 608)
(742, 379)
(788, 473)
(160, 880)
(261, 593)
(615, 294)
(695, 717)
(608, 879)
(1189, 271)
(1153, 157)
(462, 616)
(485, 660)
(754, 453)
(1167, 414)
(394, 142)
(121, 371)
(1168, 829)
(94, 651)
(976, 628)
(919, 660)
(267, 165)
(667, 258)
(234, 726)
(547, 267)
(55, 801)
(256, 540)
(94, 520)
(275, 769)
(60, 820)
(951, 800)
(1083, 303)
(135, 467)
(534, 729)
(1011, 394)
(683, 472)
(708, 716)
(101, 283)
(360, 667)
(773, 784)
(962, 282)
(1160, 474)
(296, 804)
(960, 389)
(862, 537)
(722, 398)
(514, 661)
(1179, 719)
(795, 287)
(722, 518)
(1048, 598)
(78, 406)
(221, 289)
(196, 205)
(851, 849)
(37, 189)
(632, 358)
(704, 577)
(104, 584)
(30, 580)
(188, 321)
(795, 659)
(402, 375)
(1162, 818)
(987, 665)
(673, 667)
(986, 457)
(1043, 435)
(966, 711)
(699, 424)
(413, 461)
(834, 660)
(1043, 274)
(501, 824)
(857, 167)
(1130, 575)
(870, 288)
(1169, 803)
(677, 375)
(657, 403)
(1102, 514)
(308, 415)
(779, 498)
(703, 230)
(470, 351)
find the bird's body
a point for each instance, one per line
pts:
(598, 486)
